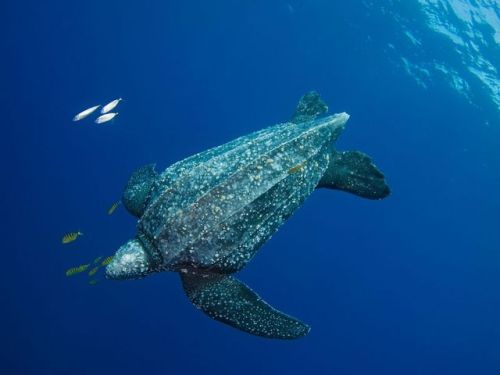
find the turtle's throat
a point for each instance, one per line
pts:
(154, 255)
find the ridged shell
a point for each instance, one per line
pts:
(215, 209)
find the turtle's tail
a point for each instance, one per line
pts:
(354, 172)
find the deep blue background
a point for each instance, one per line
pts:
(406, 285)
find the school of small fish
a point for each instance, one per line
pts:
(106, 114)
(93, 271)
(98, 263)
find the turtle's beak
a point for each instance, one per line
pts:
(129, 262)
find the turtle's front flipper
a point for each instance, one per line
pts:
(354, 172)
(229, 301)
(138, 189)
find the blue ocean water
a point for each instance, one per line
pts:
(405, 285)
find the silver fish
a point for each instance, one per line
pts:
(110, 106)
(105, 118)
(85, 113)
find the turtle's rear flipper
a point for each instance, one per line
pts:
(229, 301)
(354, 172)
(310, 106)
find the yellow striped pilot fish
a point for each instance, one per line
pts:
(76, 270)
(107, 261)
(70, 237)
(113, 207)
(93, 271)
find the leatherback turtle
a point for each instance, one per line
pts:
(206, 216)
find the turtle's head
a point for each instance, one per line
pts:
(130, 262)
(138, 190)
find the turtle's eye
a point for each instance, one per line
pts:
(129, 262)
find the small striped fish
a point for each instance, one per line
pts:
(93, 271)
(75, 270)
(113, 207)
(107, 261)
(70, 237)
